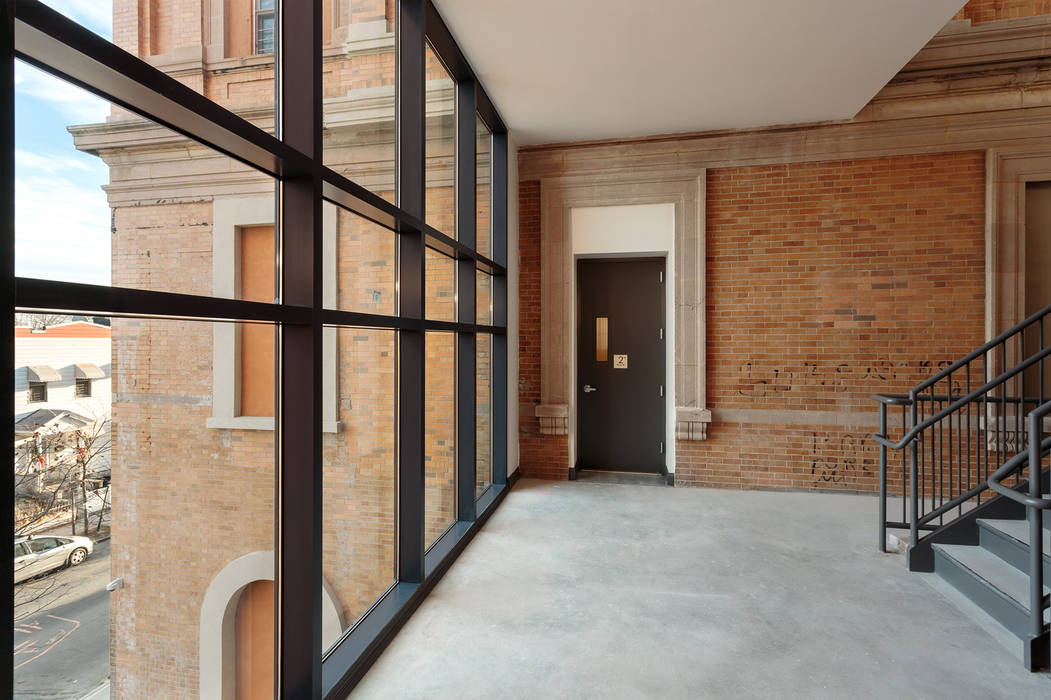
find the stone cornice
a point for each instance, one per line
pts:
(963, 45)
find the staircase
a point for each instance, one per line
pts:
(969, 454)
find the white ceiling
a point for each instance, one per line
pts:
(570, 70)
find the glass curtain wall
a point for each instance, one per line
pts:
(258, 355)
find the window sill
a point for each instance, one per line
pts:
(258, 423)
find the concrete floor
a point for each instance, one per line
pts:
(591, 590)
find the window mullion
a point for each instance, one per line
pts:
(466, 293)
(410, 186)
(498, 187)
(299, 457)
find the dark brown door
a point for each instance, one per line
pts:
(620, 365)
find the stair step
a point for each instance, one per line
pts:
(997, 587)
(1009, 540)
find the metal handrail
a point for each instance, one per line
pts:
(916, 426)
(1035, 506)
(1016, 463)
(963, 401)
(974, 355)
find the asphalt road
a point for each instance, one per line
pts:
(62, 630)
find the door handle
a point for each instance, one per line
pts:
(588, 389)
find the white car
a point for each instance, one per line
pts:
(38, 555)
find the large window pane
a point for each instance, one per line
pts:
(123, 468)
(222, 49)
(141, 206)
(439, 286)
(441, 146)
(359, 263)
(360, 494)
(439, 434)
(483, 298)
(483, 413)
(359, 91)
(482, 174)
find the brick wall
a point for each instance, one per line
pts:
(540, 456)
(989, 10)
(826, 282)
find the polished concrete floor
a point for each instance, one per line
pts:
(592, 590)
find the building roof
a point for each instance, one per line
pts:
(28, 423)
(74, 329)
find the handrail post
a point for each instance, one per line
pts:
(883, 479)
(914, 504)
(1037, 648)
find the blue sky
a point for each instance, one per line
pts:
(62, 219)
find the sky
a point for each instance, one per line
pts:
(62, 218)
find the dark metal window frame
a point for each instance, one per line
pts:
(81, 388)
(40, 36)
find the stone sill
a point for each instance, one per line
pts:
(258, 423)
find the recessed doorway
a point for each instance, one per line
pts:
(621, 350)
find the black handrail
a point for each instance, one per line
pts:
(991, 345)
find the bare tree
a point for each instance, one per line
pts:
(55, 471)
(38, 321)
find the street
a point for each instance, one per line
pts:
(61, 632)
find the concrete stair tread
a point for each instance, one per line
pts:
(1019, 530)
(992, 569)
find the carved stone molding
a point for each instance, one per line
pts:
(554, 419)
(622, 182)
(962, 44)
(1007, 173)
(692, 423)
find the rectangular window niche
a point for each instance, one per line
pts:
(229, 216)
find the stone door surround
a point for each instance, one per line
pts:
(623, 183)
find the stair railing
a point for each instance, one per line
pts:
(959, 425)
(1037, 649)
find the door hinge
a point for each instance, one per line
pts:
(661, 276)
(660, 334)
(661, 451)
(660, 391)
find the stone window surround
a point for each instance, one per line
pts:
(684, 187)
(229, 216)
(217, 670)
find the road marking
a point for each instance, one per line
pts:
(29, 646)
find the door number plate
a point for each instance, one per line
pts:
(620, 362)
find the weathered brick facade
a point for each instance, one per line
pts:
(189, 499)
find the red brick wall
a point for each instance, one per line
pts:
(988, 10)
(540, 456)
(828, 282)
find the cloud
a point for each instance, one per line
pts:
(62, 224)
(48, 163)
(96, 15)
(75, 104)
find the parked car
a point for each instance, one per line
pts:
(38, 555)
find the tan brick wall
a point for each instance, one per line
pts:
(161, 409)
(186, 501)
